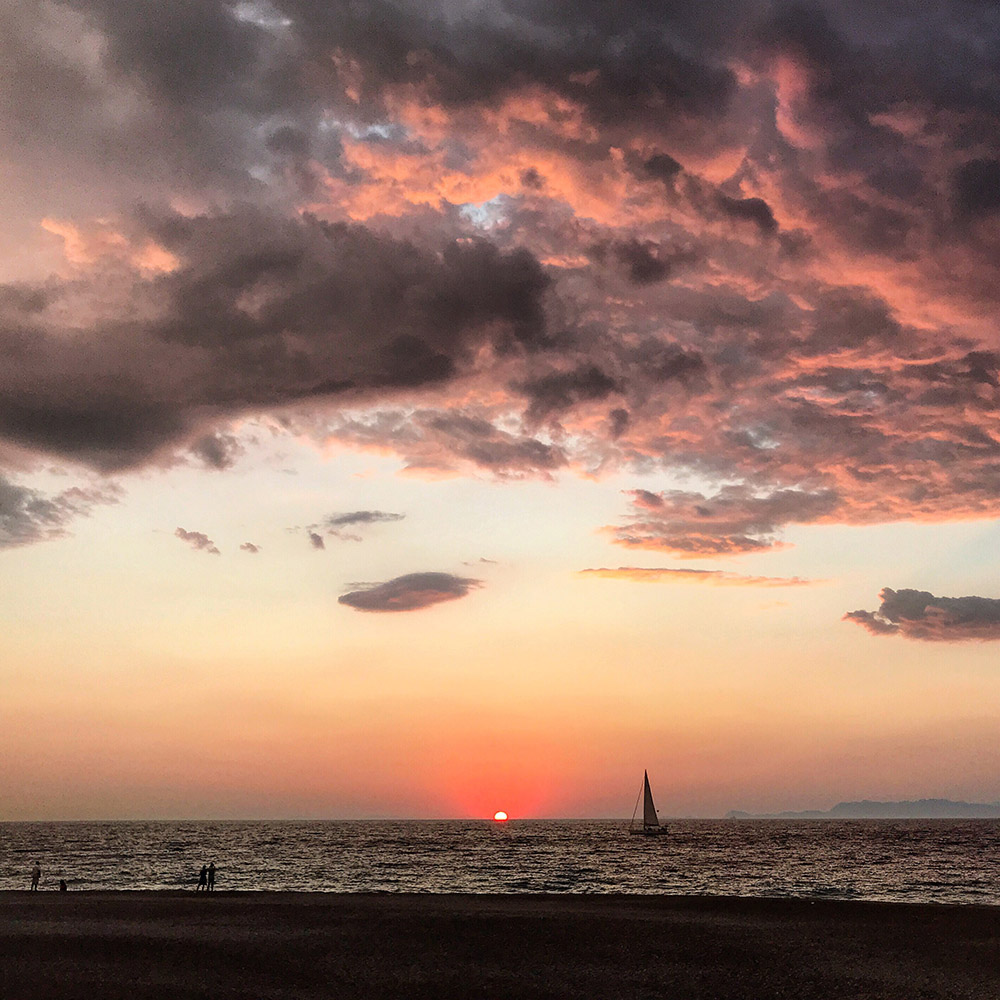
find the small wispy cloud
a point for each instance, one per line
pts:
(712, 577)
(197, 540)
(338, 525)
(361, 517)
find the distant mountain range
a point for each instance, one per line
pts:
(866, 809)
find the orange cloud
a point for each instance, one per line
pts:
(712, 577)
(87, 245)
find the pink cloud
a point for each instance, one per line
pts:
(732, 522)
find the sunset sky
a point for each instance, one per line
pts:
(422, 408)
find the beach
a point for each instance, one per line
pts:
(152, 945)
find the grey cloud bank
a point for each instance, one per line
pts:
(918, 614)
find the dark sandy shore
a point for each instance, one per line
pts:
(180, 945)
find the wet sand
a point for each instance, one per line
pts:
(142, 946)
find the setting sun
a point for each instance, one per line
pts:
(500, 817)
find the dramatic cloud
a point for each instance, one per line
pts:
(750, 244)
(250, 547)
(412, 592)
(917, 614)
(28, 515)
(259, 311)
(197, 540)
(712, 577)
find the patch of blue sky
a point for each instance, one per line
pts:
(262, 14)
(486, 214)
(761, 437)
(374, 132)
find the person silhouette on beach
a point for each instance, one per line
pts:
(36, 876)
(62, 885)
(211, 876)
(203, 879)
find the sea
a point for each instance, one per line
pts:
(943, 861)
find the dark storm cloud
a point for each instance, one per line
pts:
(917, 614)
(332, 280)
(560, 390)
(659, 363)
(532, 179)
(192, 54)
(865, 58)
(109, 427)
(808, 365)
(412, 592)
(850, 319)
(197, 540)
(662, 166)
(977, 187)
(631, 68)
(29, 515)
(261, 311)
(121, 97)
(754, 210)
(644, 262)
(618, 422)
(217, 451)
(861, 79)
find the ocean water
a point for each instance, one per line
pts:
(953, 861)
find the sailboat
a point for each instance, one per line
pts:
(650, 822)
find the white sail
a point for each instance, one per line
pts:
(649, 817)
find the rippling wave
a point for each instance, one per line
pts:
(944, 860)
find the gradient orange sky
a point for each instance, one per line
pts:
(422, 410)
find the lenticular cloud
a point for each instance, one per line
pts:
(412, 592)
